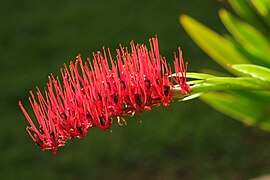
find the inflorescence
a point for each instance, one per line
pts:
(94, 93)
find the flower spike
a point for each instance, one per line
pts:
(94, 93)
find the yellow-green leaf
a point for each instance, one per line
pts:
(263, 8)
(255, 71)
(241, 106)
(249, 37)
(216, 46)
(243, 9)
(198, 75)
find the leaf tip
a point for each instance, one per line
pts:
(222, 11)
(183, 17)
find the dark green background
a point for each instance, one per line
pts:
(189, 141)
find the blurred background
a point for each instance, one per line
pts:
(189, 141)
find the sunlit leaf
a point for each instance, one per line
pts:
(221, 84)
(255, 71)
(192, 96)
(263, 8)
(243, 9)
(230, 83)
(198, 75)
(250, 38)
(241, 106)
(244, 98)
(214, 72)
(258, 60)
(216, 46)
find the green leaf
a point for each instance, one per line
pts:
(255, 71)
(221, 84)
(243, 9)
(213, 72)
(192, 96)
(254, 59)
(217, 47)
(230, 83)
(263, 9)
(198, 75)
(248, 107)
(250, 38)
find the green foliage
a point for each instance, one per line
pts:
(247, 106)
(217, 47)
(263, 9)
(248, 37)
(254, 70)
(245, 52)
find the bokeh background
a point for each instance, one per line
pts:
(189, 141)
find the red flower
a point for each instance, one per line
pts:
(93, 93)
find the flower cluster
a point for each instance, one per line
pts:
(94, 93)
